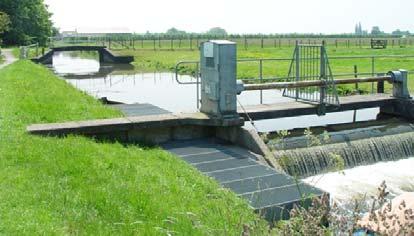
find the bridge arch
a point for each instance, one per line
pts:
(105, 56)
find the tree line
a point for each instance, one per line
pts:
(24, 22)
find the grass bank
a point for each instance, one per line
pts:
(75, 185)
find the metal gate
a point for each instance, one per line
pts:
(310, 63)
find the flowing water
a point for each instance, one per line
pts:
(355, 183)
(122, 84)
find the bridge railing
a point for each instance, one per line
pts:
(29, 51)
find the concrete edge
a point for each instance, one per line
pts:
(250, 140)
(129, 123)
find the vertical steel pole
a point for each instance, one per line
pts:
(323, 74)
(261, 79)
(198, 85)
(297, 56)
(356, 76)
(373, 72)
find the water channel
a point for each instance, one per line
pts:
(122, 84)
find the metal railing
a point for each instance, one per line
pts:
(261, 62)
(25, 50)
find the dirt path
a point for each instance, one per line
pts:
(8, 57)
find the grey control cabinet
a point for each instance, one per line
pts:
(218, 79)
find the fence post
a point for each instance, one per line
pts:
(191, 42)
(262, 42)
(245, 43)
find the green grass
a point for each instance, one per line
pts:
(75, 185)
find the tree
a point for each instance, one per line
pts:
(30, 21)
(217, 31)
(376, 30)
(174, 31)
(4, 22)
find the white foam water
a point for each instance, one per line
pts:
(364, 180)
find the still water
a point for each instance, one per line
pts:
(161, 89)
(122, 84)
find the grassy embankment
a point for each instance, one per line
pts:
(75, 185)
(149, 60)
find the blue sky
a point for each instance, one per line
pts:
(242, 16)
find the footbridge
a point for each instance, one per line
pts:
(215, 140)
(105, 55)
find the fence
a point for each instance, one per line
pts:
(192, 42)
(25, 51)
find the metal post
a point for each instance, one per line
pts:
(198, 85)
(380, 84)
(323, 77)
(373, 73)
(356, 76)
(261, 79)
(297, 55)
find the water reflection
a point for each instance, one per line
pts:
(121, 83)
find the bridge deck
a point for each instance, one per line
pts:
(290, 109)
(269, 192)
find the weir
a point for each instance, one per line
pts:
(207, 139)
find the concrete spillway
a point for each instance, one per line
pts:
(389, 141)
(269, 192)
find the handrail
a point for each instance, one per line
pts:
(187, 62)
(311, 83)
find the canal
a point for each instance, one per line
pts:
(123, 84)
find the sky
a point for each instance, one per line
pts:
(236, 16)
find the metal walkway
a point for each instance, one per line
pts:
(270, 193)
(140, 109)
(290, 109)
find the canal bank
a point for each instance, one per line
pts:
(63, 183)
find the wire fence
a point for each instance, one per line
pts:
(192, 42)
